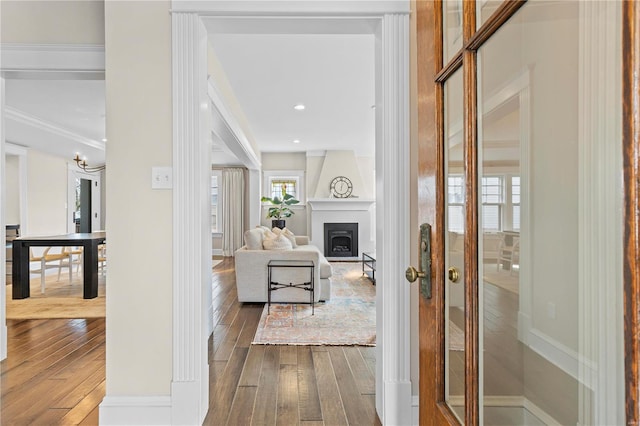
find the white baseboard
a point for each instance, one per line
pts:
(511, 401)
(555, 352)
(216, 252)
(135, 410)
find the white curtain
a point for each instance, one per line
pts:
(232, 210)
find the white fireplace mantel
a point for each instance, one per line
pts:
(343, 210)
(340, 204)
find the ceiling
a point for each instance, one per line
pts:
(332, 75)
(59, 117)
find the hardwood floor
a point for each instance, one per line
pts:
(281, 385)
(55, 372)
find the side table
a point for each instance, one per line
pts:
(307, 285)
(369, 266)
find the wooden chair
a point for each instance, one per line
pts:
(74, 258)
(506, 251)
(102, 258)
(45, 258)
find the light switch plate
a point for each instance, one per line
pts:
(161, 178)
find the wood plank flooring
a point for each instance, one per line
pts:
(281, 385)
(55, 372)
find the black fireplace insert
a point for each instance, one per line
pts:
(341, 240)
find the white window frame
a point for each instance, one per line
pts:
(294, 175)
(453, 204)
(502, 204)
(218, 230)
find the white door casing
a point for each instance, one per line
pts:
(393, 386)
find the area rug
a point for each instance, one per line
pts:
(60, 300)
(349, 318)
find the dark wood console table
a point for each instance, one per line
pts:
(88, 241)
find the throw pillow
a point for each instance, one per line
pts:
(253, 239)
(267, 233)
(278, 242)
(287, 233)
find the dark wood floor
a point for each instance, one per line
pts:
(55, 372)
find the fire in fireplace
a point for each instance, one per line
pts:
(341, 239)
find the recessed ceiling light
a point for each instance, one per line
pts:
(104, 139)
(298, 107)
(296, 141)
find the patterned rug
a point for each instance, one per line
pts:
(349, 318)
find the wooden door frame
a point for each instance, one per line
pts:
(631, 182)
(431, 76)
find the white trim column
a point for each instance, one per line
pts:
(600, 305)
(191, 212)
(393, 381)
(3, 264)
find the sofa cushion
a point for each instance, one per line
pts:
(253, 239)
(279, 242)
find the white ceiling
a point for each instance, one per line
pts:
(60, 117)
(332, 75)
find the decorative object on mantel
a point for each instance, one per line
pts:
(82, 164)
(341, 187)
(281, 208)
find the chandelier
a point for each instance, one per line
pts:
(82, 164)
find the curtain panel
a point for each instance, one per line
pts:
(232, 210)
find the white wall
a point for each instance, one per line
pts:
(287, 161)
(139, 225)
(12, 188)
(46, 194)
(554, 178)
(52, 22)
(341, 163)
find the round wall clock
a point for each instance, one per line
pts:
(341, 187)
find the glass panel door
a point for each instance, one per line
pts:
(550, 234)
(452, 28)
(454, 245)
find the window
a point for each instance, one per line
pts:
(492, 202)
(455, 197)
(293, 180)
(289, 185)
(515, 201)
(216, 219)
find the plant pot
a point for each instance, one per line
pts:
(278, 223)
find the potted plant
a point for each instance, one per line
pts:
(280, 209)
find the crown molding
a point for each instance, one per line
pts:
(43, 125)
(53, 60)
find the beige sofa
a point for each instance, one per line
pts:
(251, 273)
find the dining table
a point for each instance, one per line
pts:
(89, 241)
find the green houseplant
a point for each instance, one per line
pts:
(281, 208)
